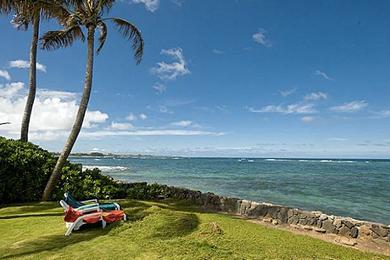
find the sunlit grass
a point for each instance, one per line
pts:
(155, 230)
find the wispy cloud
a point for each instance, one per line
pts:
(316, 96)
(170, 71)
(24, 64)
(134, 117)
(183, 123)
(160, 88)
(287, 92)
(150, 5)
(10, 90)
(322, 75)
(307, 119)
(217, 51)
(350, 107)
(120, 126)
(382, 114)
(297, 108)
(260, 37)
(160, 132)
(338, 139)
(5, 74)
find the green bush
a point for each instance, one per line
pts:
(25, 169)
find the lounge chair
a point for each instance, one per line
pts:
(74, 219)
(71, 201)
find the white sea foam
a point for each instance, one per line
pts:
(106, 168)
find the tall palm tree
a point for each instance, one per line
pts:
(86, 14)
(29, 12)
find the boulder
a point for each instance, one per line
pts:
(380, 231)
(354, 232)
(345, 241)
(347, 223)
(344, 231)
(323, 217)
(328, 226)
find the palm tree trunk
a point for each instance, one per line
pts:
(79, 118)
(32, 79)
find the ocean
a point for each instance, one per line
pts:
(355, 188)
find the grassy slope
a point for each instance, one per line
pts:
(155, 231)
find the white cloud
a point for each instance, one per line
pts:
(287, 92)
(183, 123)
(134, 117)
(316, 96)
(322, 74)
(160, 88)
(5, 74)
(150, 5)
(350, 107)
(260, 37)
(52, 115)
(383, 114)
(120, 126)
(24, 64)
(131, 117)
(10, 90)
(297, 108)
(338, 139)
(164, 109)
(307, 119)
(218, 52)
(170, 71)
(162, 132)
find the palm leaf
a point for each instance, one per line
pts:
(63, 38)
(132, 33)
(103, 35)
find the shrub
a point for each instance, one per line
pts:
(25, 169)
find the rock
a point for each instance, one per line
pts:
(296, 226)
(303, 221)
(290, 213)
(345, 241)
(328, 226)
(344, 231)
(312, 221)
(293, 220)
(316, 213)
(229, 204)
(347, 223)
(319, 223)
(307, 227)
(259, 211)
(319, 230)
(354, 232)
(364, 231)
(323, 217)
(273, 211)
(269, 220)
(380, 231)
(338, 223)
(275, 222)
(282, 215)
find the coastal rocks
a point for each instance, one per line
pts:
(313, 221)
(345, 241)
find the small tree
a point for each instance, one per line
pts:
(78, 15)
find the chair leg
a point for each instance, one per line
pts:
(104, 223)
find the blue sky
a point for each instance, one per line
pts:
(218, 78)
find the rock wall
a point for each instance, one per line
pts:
(276, 214)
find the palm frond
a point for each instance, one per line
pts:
(7, 6)
(102, 27)
(20, 21)
(132, 33)
(60, 39)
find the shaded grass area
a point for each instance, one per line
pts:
(156, 230)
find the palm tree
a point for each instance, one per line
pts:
(29, 12)
(85, 14)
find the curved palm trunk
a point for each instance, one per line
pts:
(79, 118)
(32, 80)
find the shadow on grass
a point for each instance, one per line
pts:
(31, 215)
(52, 242)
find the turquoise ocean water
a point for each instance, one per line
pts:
(356, 188)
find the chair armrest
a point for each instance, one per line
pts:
(91, 200)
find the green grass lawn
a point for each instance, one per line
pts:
(156, 230)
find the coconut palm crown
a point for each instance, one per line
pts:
(88, 14)
(76, 15)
